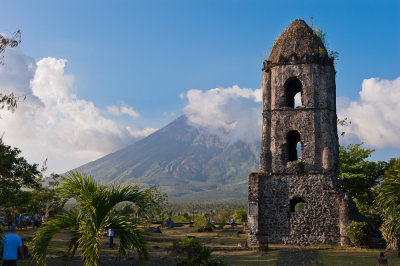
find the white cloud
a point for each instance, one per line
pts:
(53, 122)
(375, 117)
(124, 109)
(233, 113)
(113, 110)
(139, 133)
(129, 111)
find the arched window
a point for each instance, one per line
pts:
(293, 145)
(292, 88)
(297, 204)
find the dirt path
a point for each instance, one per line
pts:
(296, 257)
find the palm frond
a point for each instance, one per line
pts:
(388, 200)
(131, 237)
(45, 233)
(112, 195)
(78, 186)
(91, 245)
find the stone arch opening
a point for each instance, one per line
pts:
(297, 204)
(293, 145)
(292, 88)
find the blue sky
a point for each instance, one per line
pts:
(147, 54)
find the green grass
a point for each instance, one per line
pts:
(352, 256)
(224, 243)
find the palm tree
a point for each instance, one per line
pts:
(389, 201)
(93, 214)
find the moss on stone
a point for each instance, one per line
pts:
(301, 40)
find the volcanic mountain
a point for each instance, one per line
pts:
(186, 162)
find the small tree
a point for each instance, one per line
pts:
(92, 215)
(187, 217)
(46, 196)
(15, 173)
(358, 233)
(222, 217)
(240, 216)
(359, 178)
(203, 224)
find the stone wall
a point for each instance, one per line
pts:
(317, 223)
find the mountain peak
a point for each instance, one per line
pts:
(184, 161)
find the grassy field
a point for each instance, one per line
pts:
(224, 243)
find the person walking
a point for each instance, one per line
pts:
(37, 219)
(12, 243)
(16, 219)
(44, 218)
(111, 235)
(9, 221)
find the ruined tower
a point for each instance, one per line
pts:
(295, 197)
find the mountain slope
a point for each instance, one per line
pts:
(185, 162)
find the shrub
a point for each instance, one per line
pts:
(196, 253)
(187, 217)
(202, 223)
(222, 217)
(240, 216)
(358, 233)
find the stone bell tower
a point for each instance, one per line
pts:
(295, 197)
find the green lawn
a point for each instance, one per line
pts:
(225, 244)
(352, 256)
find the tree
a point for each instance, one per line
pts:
(15, 173)
(9, 101)
(389, 201)
(359, 178)
(222, 217)
(187, 217)
(92, 215)
(45, 196)
(240, 216)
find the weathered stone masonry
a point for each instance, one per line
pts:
(299, 63)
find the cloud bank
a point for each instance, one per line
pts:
(53, 122)
(375, 116)
(232, 113)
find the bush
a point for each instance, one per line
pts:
(240, 216)
(222, 217)
(203, 224)
(358, 233)
(187, 217)
(196, 253)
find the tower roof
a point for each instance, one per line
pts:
(298, 43)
